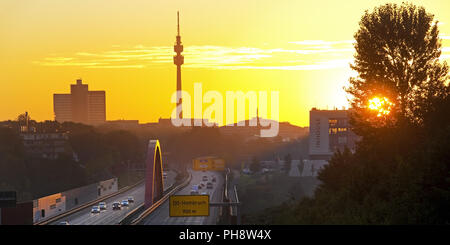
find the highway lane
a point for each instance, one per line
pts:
(109, 216)
(161, 215)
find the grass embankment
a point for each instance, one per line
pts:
(261, 191)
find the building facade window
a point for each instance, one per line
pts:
(332, 131)
(317, 132)
(332, 122)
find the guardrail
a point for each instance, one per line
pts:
(83, 206)
(226, 186)
(226, 196)
(148, 211)
(238, 210)
(230, 206)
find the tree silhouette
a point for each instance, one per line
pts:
(22, 118)
(397, 56)
(398, 173)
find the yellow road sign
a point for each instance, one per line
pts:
(208, 163)
(188, 205)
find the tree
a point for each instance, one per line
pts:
(398, 173)
(397, 56)
(22, 118)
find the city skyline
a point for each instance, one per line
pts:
(127, 51)
(201, 113)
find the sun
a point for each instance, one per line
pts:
(381, 105)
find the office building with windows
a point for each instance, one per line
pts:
(329, 131)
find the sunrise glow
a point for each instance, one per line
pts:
(126, 49)
(381, 105)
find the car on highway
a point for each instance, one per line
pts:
(205, 178)
(116, 206)
(130, 199)
(164, 175)
(64, 223)
(209, 185)
(246, 171)
(95, 210)
(214, 179)
(102, 205)
(194, 190)
(125, 203)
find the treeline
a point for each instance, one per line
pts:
(235, 149)
(106, 152)
(397, 176)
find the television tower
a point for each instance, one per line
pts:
(178, 60)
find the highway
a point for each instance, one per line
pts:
(161, 215)
(109, 216)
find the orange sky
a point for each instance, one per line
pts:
(300, 48)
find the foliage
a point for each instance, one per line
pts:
(397, 56)
(399, 173)
(257, 192)
(100, 155)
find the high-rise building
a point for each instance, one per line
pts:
(62, 106)
(96, 107)
(81, 105)
(329, 131)
(79, 97)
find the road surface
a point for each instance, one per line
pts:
(109, 216)
(161, 215)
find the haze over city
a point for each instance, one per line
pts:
(301, 49)
(163, 115)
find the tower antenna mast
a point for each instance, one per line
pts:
(178, 60)
(178, 23)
